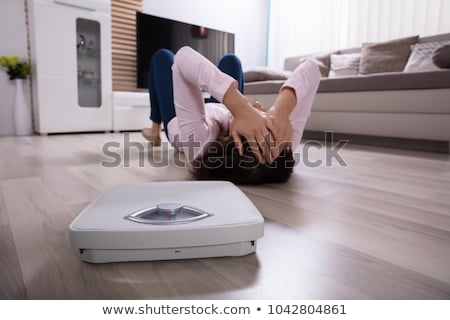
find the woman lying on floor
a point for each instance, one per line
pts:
(232, 140)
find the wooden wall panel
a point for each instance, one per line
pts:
(123, 20)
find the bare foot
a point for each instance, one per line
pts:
(150, 135)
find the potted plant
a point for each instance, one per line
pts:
(18, 70)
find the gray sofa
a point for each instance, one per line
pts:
(409, 105)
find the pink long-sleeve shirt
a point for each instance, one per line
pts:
(197, 123)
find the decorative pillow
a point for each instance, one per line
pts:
(389, 56)
(441, 57)
(322, 60)
(343, 65)
(421, 58)
(265, 73)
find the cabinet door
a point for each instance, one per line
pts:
(88, 63)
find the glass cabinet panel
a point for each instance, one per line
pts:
(88, 63)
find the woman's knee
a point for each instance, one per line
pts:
(163, 57)
(230, 61)
(231, 65)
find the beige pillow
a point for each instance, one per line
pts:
(441, 57)
(389, 56)
(265, 73)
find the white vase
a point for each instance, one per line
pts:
(23, 125)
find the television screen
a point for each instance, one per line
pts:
(153, 33)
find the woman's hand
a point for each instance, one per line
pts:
(277, 120)
(258, 106)
(281, 130)
(251, 124)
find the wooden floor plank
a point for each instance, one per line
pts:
(11, 284)
(39, 225)
(4, 221)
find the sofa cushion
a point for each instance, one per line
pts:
(441, 57)
(343, 65)
(263, 87)
(388, 81)
(389, 56)
(265, 73)
(438, 79)
(421, 56)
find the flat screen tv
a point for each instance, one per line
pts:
(153, 33)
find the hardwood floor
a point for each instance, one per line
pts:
(378, 228)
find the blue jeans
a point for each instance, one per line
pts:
(162, 108)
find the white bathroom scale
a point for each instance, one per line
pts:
(165, 221)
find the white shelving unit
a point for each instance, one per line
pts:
(71, 60)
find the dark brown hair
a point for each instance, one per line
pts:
(222, 161)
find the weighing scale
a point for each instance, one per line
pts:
(165, 221)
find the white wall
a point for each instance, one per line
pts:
(247, 19)
(13, 42)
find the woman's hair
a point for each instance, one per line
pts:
(222, 161)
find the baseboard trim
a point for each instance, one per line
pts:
(388, 142)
